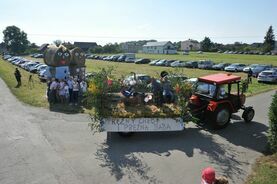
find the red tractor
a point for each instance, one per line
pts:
(217, 97)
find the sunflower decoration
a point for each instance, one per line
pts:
(93, 88)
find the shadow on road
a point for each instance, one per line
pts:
(248, 135)
(66, 108)
(123, 154)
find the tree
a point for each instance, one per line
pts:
(272, 136)
(269, 40)
(57, 42)
(206, 44)
(15, 40)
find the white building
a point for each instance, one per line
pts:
(190, 45)
(159, 48)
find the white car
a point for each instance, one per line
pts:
(132, 80)
(268, 76)
(236, 67)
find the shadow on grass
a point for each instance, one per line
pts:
(123, 155)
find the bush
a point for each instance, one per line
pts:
(272, 136)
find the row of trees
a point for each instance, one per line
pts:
(269, 43)
(108, 48)
(16, 41)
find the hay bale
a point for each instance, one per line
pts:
(78, 57)
(57, 56)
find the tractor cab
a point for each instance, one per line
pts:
(216, 97)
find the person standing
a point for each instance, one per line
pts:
(75, 90)
(17, 75)
(249, 76)
(53, 91)
(70, 89)
(62, 91)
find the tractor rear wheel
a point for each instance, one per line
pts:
(220, 118)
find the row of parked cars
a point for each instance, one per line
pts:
(28, 65)
(248, 52)
(257, 69)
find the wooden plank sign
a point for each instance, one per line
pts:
(142, 124)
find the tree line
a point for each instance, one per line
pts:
(268, 45)
(16, 41)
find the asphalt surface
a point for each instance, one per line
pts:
(43, 147)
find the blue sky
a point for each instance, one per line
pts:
(103, 21)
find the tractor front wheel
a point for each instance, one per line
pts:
(248, 115)
(220, 118)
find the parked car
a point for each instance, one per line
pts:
(178, 64)
(180, 78)
(5, 57)
(41, 67)
(236, 67)
(29, 66)
(220, 66)
(142, 61)
(137, 79)
(258, 69)
(268, 76)
(115, 57)
(90, 57)
(191, 64)
(130, 60)
(161, 62)
(199, 52)
(33, 69)
(154, 62)
(252, 66)
(168, 62)
(43, 75)
(38, 56)
(121, 58)
(205, 64)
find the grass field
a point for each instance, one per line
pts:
(264, 171)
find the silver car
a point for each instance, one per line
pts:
(268, 76)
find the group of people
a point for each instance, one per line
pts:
(162, 90)
(65, 90)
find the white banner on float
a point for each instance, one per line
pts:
(142, 124)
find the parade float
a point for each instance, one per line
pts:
(119, 107)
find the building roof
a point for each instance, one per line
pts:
(43, 47)
(153, 44)
(192, 41)
(220, 78)
(85, 45)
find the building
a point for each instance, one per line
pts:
(134, 46)
(159, 48)
(190, 45)
(85, 46)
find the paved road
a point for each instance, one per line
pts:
(42, 147)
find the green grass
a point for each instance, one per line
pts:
(217, 57)
(30, 95)
(264, 171)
